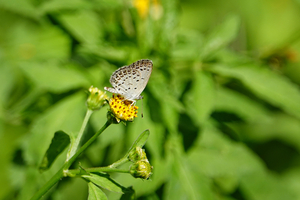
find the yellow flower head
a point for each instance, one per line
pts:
(142, 7)
(145, 7)
(122, 109)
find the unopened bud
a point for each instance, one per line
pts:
(137, 154)
(141, 169)
(97, 98)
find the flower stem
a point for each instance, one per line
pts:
(63, 171)
(75, 145)
(119, 162)
(76, 172)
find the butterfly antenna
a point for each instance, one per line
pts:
(142, 115)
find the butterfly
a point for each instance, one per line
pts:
(130, 81)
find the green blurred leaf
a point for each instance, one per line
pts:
(169, 103)
(281, 126)
(221, 36)
(107, 51)
(29, 42)
(266, 84)
(59, 142)
(54, 78)
(129, 194)
(95, 193)
(187, 45)
(262, 185)
(291, 178)
(66, 115)
(200, 99)
(217, 156)
(186, 182)
(22, 7)
(246, 108)
(57, 5)
(84, 25)
(167, 25)
(7, 79)
(104, 181)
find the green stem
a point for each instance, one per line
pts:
(76, 172)
(75, 146)
(119, 162)
(63, 171)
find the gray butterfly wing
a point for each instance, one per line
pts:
(130, 81)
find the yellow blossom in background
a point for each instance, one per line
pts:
(145, 6)
(142, 7)
(122, 109)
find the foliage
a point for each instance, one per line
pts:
(222, 103)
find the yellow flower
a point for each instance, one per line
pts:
(122, 109)
(142, 7)
(145, 6)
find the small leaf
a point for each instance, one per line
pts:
(95, 193)
(129, 194)
(59, 142)
(104, 181)
(141, 140)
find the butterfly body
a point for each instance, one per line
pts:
(130, 81)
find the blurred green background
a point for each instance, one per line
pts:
(222, 103)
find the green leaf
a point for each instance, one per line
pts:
(54, 78)
(266, 84)
(217, 156)
(84, 25)
(169, 103)
(57, 5)
(281, 127)
(221, 36)
(140, 141)
(246, 108)
(59, 142)
(268, 186)
(186, 180)
(200, 99)
(187, 48)
(95, 193)
(129, 194)
(6, 84)
(104, 181)
(30, 42)
(25, 8)
(66, 115)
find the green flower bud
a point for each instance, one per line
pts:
(141, 169)
(137, 154)
(97, 98)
